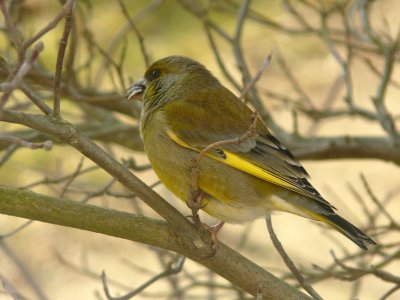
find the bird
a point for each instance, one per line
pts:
(185, 110)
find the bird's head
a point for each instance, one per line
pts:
(168, 78)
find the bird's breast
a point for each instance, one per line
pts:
(170, 161)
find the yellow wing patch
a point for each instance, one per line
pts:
(241, 164)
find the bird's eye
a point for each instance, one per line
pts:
(154, 74)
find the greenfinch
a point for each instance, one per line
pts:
(185, 109)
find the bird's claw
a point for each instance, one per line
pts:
(213, 230)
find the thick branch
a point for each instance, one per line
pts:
(117, 133)
(226, 262)
(346, 147)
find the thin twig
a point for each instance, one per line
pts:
(60, 60)
(74, 175)
(344, 64)
(83, 269)
(390, 292)
(118, 67)
(9, 87)
(137, 32)
(364, 7)
(376, 201)
(369, 63)
(99, 192)
(24, 270)
(293, 80)
(9, 288)
(257, 77)
(288, 262)
(52, 24)
(121, 34)
(26, 89)
(327, 104)
(16, 230)
(8, 153)
(378, 100)
(218, 57)
(240, 60)
(173, 267)
(353, 273)
(47, 145)
(47, 181)
(12, 30)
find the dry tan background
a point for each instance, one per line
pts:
(172, 30)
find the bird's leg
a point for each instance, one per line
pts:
(195, 203)
(213, 230)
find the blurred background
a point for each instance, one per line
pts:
(332, 87)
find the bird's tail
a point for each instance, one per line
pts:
(346, 228)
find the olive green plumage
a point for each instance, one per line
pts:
(186, 109)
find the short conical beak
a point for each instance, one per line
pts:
(137, 89)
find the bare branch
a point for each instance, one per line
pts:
(257, 77)
(9, 87)
(10, 288)
(52, 24)
(137, 32)
(47, 145)
(294, 82)
(60, 59)
(288, 262)
(23, 269)
(173, 267)
(385, 117)
(376, 201)
(243, 273)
